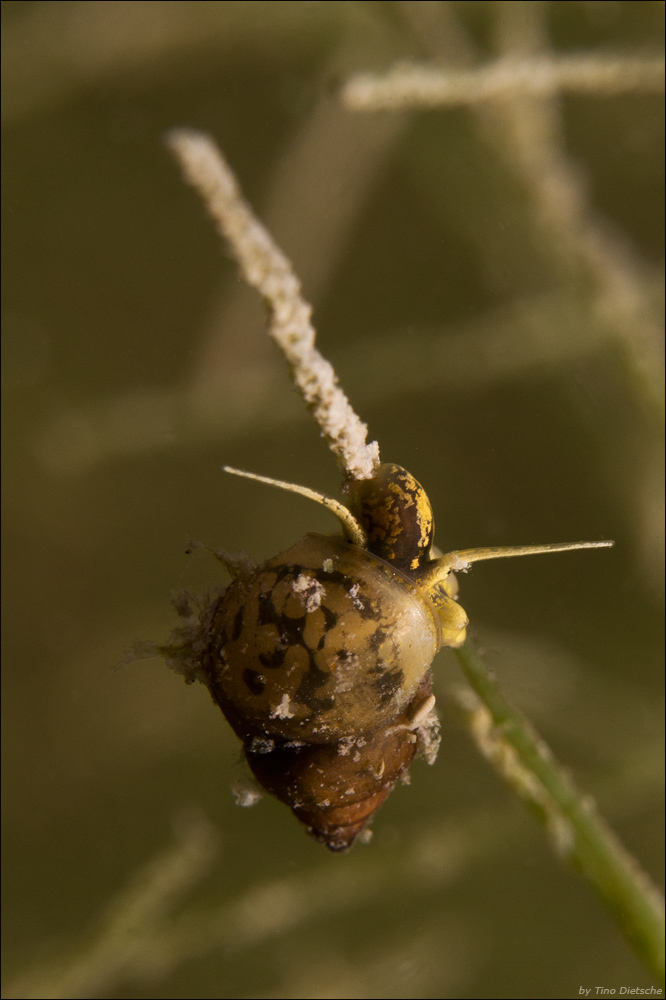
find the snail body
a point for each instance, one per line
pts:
(320, 657)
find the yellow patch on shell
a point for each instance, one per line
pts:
(409, 492)
(388, 523)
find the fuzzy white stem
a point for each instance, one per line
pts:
(265, 267)
(426, 86)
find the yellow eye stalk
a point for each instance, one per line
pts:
(393, 521)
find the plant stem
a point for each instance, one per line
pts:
(578, 833)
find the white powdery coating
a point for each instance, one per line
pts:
(283, 711)
(356, 600)
(265, 267)
(246, 797)
(412, 86)
(459, 564)
(426, 725)
(346, 671)
(310, 592)
(244, 786)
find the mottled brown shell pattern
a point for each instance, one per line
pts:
(322, 643)
(335, 788)
(397, 515)
(320, 658)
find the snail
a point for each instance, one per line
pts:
(320, 657)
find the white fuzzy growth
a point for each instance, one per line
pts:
(428, 86)
(244, 786)
(346, 671)
(425, 727)
(265, 267)
(356, 600)
(459, 565)
(425, 723)
(283, 710)
(310, 592)
(262, 744)
(348, 743)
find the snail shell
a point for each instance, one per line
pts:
(321, 643)
(320, 658)
(335, 788)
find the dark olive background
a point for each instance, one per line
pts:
(135, 363)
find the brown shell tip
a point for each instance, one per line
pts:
(338, 827)
(340, 839)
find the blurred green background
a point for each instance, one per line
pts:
(505, 352)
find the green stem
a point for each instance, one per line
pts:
(577, 830)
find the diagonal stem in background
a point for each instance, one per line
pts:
(577, 832)
(544, 76)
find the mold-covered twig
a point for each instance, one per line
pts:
(430, 86)
(266, 268)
